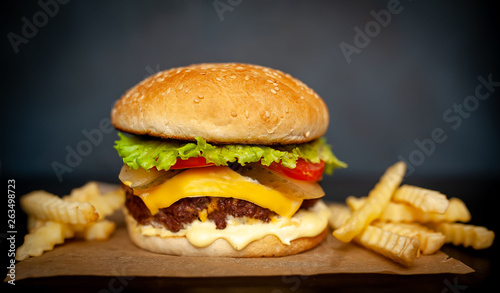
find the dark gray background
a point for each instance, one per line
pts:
(395, 91)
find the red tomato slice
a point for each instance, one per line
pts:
(306, 171)
(195, 162)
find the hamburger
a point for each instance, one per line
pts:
(224, 160)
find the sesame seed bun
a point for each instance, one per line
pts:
(223, 103)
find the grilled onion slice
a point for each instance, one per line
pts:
(293, 188)
(141, 179)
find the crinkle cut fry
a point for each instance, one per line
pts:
(378, 198)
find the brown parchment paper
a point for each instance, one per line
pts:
(119, 257)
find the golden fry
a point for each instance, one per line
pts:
(43, 238)
(48, 207)
(430, 240)
(109, 202)
(457, 212)
(51, 219)
(100, 230)
(426, 200)
(378, 198)
(34, 223)
(339, 214)
(376, 239)
(400, 249)
(467, 235)
(355, 203)
(401, 212)
(393, 212)
(387, 220)
(84, 193)
(105, 204)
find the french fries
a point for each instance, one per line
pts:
(399, 248)
(339, 215)
(100, 230)
(43, 238)
(430, 240)
(49, 207)
(401, 212)
(105, 204)
(81, 214)
(467, 235)
(423, 199)
(377, 199)
(400, 222)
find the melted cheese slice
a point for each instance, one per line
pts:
(239, 232)
(217, 182)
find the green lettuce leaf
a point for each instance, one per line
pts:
(139, 151)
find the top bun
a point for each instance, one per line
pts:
(224, 103)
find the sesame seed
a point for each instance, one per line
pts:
(200, 96)
(247, 77)
(273, 91)
(232, 76)
(240, 68)
(268, 114)
(277, 88)
(301, 97)
(186, 90)
(188, 70)
(308, 133)
(203, 73)
(196, 101)
(246, 113)
(168, 91)
(218, 78)
(181, 86)
(234, 114)
(270, 81)
(275, 84)
(160, 79)
(135, 95)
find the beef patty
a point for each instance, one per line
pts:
(186, 210)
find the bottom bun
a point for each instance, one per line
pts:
(268, 246)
